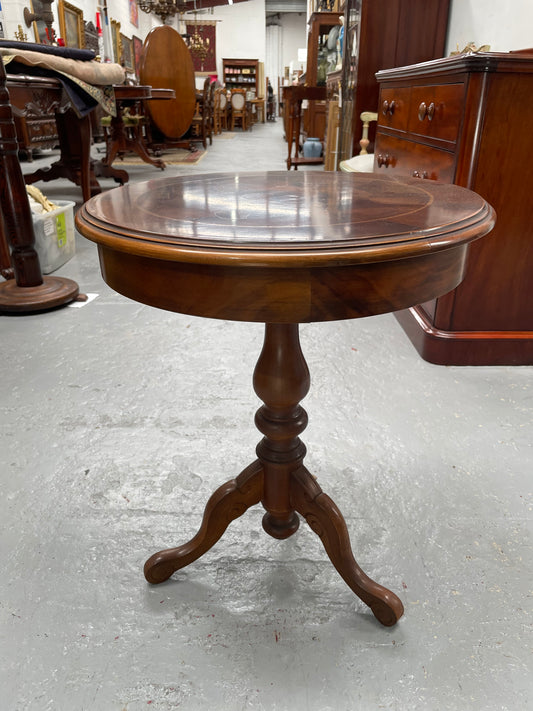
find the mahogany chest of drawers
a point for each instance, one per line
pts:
(468, 120)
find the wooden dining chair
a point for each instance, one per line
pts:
(220, 110)
(364, 162)
(239, 110)
(201, 121)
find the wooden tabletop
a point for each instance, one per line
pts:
(166, 63)
(284, 247)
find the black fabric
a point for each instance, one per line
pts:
(85, 55)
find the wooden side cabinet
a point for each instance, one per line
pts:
(465, 120)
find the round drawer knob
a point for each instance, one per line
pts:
(388, 108)
(420, 174)
(383, 160)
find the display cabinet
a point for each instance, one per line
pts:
(320, 26)
(381, 34)
(242, 74)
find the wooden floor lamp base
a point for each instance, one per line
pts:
(280, 482)
(53, 292)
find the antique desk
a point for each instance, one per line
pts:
(283, 248)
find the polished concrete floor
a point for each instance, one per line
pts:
(118, 421)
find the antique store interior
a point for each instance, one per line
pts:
(118, 420)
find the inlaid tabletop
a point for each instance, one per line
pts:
(284, 247)
(356, 217)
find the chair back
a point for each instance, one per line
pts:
(238, 100)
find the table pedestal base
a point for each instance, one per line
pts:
(279, 481)
(53, 292)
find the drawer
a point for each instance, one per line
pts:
(393, 108)
(40, 130)
(436, 111)
(404, 157)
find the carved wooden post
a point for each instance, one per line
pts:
(28, 291)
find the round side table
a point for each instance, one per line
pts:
(283, 248)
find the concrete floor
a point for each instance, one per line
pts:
(118, 421)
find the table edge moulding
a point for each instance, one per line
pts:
(461, 120)
(283, 248)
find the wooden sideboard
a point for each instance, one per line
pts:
(465, 119)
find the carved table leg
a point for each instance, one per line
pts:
(281, 380)
(327, 522)
(228, 502)
(280, 481)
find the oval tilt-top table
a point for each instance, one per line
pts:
(283, 249)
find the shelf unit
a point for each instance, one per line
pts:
(242, 74)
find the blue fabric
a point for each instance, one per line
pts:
(85, 55)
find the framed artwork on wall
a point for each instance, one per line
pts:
(71, 26)
(134, 13)
(127, 53)
(137, 49)
(115, 39)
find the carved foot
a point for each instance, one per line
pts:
(322, 514)
(228, 502)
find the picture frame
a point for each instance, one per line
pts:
(115, 41)
(134, 13)
(137, 51)
(71, 26)
(128, 60)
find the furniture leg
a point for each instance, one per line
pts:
(74, 163)
(325, 519)
(29, 291)
(280, 481)
(281, 380)
(119, 142)
(227, 503)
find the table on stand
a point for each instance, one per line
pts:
(123, 139)
(31, 96)
(283, 249)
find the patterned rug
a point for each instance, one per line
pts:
(174, 156)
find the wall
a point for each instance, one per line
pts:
(118, 10)
(240, 31)
(502, 24)
(294, 38)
